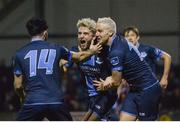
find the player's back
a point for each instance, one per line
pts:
(39, 62)
(128, 60)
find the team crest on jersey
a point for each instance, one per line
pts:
(114, 60)
(143, 54)
(98, 60)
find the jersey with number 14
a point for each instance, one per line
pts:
(38, 62)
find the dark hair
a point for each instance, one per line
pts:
(131, 28)
(36, 26)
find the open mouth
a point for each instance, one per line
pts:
(98, 38)
(82, 41)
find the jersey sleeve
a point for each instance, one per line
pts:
(70, 62)
(65, 53)
(116, 60)
(156, 53)
(16, 65)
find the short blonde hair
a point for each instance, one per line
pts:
(109, 22)
(87, 22)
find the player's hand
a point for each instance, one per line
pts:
(62, 64)
(164, 83)
(99, 85)
(103, 85)
(22, 97)
(95, 48)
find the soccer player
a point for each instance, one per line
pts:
(94, 68)
(36, 75)
(126, 60)
(149, 53)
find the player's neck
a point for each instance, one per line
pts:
(136, 44)
(110, 41)
(35, 38)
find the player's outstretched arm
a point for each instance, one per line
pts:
(167, 64)
(19, 87)
(82, 55)
(110, 82)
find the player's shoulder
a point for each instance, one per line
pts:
(35, 45)
(147, 45)
(118, 43)
(22, 49)
(75, 48)
(117, 46)
(56, 46)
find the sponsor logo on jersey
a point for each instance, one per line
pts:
(99, 61)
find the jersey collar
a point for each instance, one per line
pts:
(137, 45)
(130, 44)
(113, 38)
(36, 38)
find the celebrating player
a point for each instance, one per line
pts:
(36, 75)
(126, 60)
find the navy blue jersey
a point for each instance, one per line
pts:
(150, 54)
(126, 58)
(38, 62)
(94, 68)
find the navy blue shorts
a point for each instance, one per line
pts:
(143, 103)
(53, 112)
(101, 104)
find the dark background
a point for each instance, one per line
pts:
(157, 20)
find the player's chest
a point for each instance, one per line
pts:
(93, 65)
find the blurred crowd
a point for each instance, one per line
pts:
(76, 94)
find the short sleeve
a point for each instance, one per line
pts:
(70, 62)
(116, 60)
(65, 53)
(17, 66)
(156, 53)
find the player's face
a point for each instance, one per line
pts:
(102, 33)
(85, 36)
(132, 37)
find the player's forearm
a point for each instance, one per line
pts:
(167, 65)
(86, 54)
(80, 56)
(18, 86)
(20, 92)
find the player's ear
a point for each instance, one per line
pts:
(45, 34)
(110, 34)
(138, 37)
